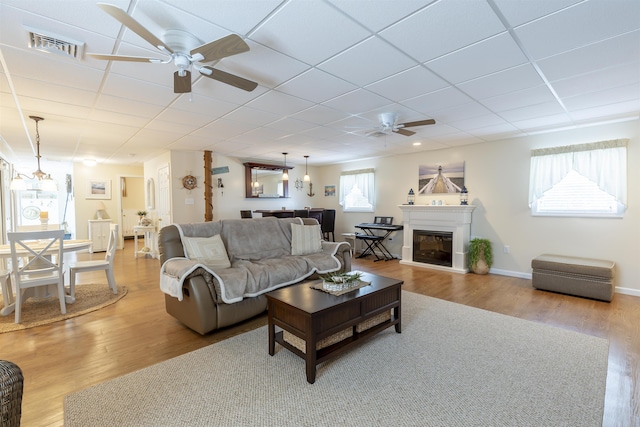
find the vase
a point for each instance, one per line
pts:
(481, 266)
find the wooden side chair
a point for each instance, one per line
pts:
(105, 264)
(42, 265)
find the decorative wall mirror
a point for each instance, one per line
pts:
(265, 181)
(151, 194)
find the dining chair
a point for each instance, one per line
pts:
(41, 256)
(105, 264)
(246, 214)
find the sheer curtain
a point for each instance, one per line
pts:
(357, 190)
(604, 163)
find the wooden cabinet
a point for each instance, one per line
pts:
(99, 234)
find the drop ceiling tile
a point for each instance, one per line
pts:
(443, 27)
(478, 122)
(319, 114)
(496, 132)
(461, 112)
(580, 25)
(519, 99)
(279, 103)
(519, 12)
(598, 80)
(203, 105)
(500, 83)
(251, 116)
(140, 90)
(316, 86)
(620, 50)
(225, 128)
(367, 62)
(543, 123)
(604, 97)
(185, 118)
(310, 31)
(408, 84)
(437, 101)
(532, 111)
(265, 66)
(383, 14)
(608, 112)
(488, 56)
(127, 106)
(291, 125)
(356, 102)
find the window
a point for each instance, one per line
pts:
(357, 190)
(579, 180)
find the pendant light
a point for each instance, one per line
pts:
(306, 178)
(48, 184)
(285, 173)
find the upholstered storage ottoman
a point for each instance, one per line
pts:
(583, 277)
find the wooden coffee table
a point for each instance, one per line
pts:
(309, 317)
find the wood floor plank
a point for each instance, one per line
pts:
(136, 332)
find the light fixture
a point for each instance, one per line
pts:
(411, 197)
(48, 184)
(256, 184)
(285, 173)
(306, 178)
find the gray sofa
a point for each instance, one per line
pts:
(207, 295)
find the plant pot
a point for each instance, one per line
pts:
(481, 266)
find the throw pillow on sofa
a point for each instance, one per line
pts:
(305, 239)
(209, 251)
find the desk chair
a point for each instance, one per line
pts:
(105, 264)
(43, 266)
(246, 214)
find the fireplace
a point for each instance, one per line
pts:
(438, 233)
(433, 247)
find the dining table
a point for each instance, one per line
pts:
(7, 291)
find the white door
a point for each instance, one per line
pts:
(164, 196)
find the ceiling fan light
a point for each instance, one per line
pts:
(197, 57)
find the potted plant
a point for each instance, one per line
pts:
(480, 255)
(141, 215)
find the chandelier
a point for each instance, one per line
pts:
(48, 184)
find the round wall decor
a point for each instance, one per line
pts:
(189, 182)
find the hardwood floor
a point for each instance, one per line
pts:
(136, 332)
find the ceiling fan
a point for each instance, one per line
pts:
(389, 123)
(185, 51)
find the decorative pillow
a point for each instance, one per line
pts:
(209, 251)
(305, 239)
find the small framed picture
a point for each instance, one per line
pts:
(98, 189)
(329, 190)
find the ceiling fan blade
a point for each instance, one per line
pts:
(404, 132)
(230, 79)
(121, 58)
(419, 123)
(133, 25)
(221, 48)
(182, 84)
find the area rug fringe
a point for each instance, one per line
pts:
(452, 365)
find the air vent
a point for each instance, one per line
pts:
(52, 43)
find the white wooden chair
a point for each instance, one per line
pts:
(105, 264)
(41, 256)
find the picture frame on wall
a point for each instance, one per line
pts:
(329, 190)
(99, 189)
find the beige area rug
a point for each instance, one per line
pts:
(452, 365)
(37, 312)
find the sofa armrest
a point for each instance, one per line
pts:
(343, 253)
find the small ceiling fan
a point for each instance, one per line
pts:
(389, 123)
(185, 51)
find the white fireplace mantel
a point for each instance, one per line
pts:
(448, 218)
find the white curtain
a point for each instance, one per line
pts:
(604, 163)
(357, 190)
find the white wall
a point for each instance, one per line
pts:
(497, 176)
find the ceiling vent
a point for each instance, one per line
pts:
(53, 43)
